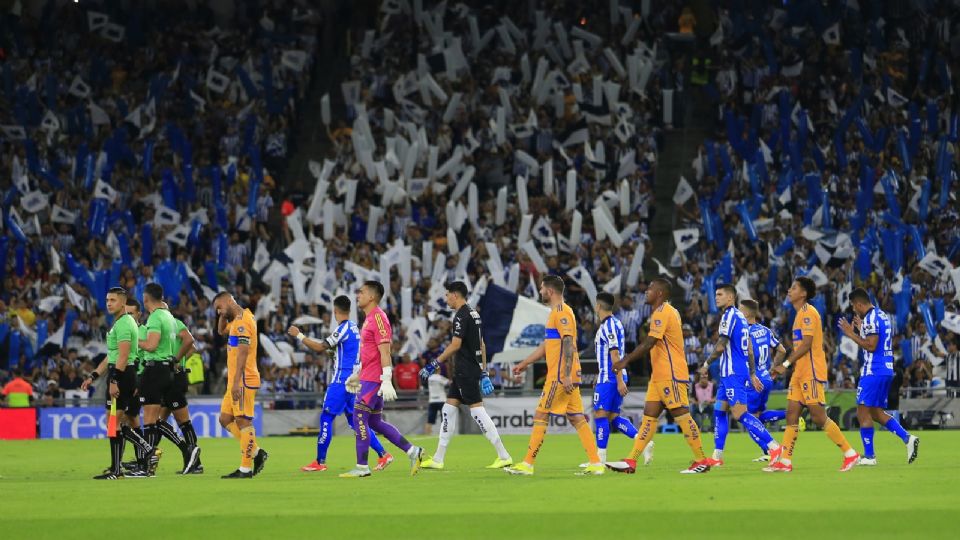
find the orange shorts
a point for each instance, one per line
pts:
(671, 393)
(244, 407)
(555, 400)
(806, 391)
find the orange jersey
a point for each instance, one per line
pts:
(814, 364)
(243, 331)
(560, 323)
(667, 357)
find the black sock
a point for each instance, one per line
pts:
(151, 433)
(189, 434)
(116, 452)
(132, 435)
(167, 431)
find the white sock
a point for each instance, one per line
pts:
(489, 430)
(448, 425)
(413, 451)
(602, 452)
(363, 467)
(244, 469)
(718, 454)
(786, 461)
(850, 453)
(773, 445)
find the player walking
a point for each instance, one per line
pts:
(669, 384)
(561, 390)
(738, 373)
(611, 384)
(372, 382)
(175, 402)
(336, 401)
(470, 379)
(872, 331)
(243, 380)
(762, 340)
(806, 385)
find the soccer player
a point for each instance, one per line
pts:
(872, 331)
(243, 380)
(806, 385)
(122, 345)
(337, 401)
(561, 390)
(372, 382)
(669, 383)
(175, 401)
(611, 384)
(762, 340)
(470, 379)
(738, 373)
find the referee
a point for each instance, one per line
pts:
(175, 401)
(470, 379)
(159, 356)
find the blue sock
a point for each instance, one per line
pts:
(894, 427)
(757, 440)
(756, 429)
(720, 428)
(771, 416)
(603, 432)
(375, 443)
(625, 426)
(866, 435)
(323, 438)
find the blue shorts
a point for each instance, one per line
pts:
(733, 390)
(337, 400)
(607, 398)
(874, 390)
(757, 401)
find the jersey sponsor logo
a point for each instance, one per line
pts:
(658, 322)
(611, 336)
(240, 329)
(806, 320)
(563, 320)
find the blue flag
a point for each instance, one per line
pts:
(747, 222)
(146, 243)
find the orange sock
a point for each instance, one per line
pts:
(789, 441)
(588, 441)
(691, 432)
(833, 431)
(536, 440)
(233, 429)
(248, 439)
(648, 426)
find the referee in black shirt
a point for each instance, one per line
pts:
(470, 379)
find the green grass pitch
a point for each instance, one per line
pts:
(47, 493)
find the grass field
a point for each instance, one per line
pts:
(47, 492)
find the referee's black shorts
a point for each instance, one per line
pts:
(175, 397)
(155, 382)
(465, 389)
(127, 401)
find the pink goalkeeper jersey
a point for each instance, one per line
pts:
(376, 330)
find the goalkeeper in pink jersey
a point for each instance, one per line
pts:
(372, 382)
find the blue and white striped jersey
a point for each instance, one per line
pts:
(346, 339)
(733, 326)
(610, 336)
(764, 343)
(880, 361)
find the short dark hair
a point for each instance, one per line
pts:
(458, 287)
(606, 301)
(751, 305)
(220, 295)
(860, 295)
(554, 282)
(727, 287)
(342, 303)
(663, 283)
(154, 290)
(117, 290)
(375, 286)
(808, 285)
(133, 302)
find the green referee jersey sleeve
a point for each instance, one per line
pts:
(124, 329)
(161, 322)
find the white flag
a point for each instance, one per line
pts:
(683, 193)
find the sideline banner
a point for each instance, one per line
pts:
(91, 422)
(18, 423)
(514, 415)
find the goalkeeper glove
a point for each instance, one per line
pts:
(353, 382)
(386, 385)
(428, 370)
(486, 387)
